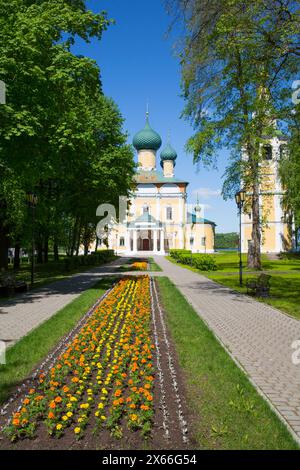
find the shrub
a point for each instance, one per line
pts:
(204, 262)
(177, 254)
(198, 261)
(99, 257)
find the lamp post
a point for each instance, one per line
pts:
(240, 199)
(32, 203)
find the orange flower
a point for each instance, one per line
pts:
(144, 407)
(39, 398)
(51, 415)
(16, 422)
(75, 379)
(26, 401)
(58, 400)
(118, 393)
(133, 406)
(31, 391)
(52, 405)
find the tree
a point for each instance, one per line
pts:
(290, 170)
(234, 57)
(59, 135)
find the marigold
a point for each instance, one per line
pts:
(77, 430)
(133, 417)
(51, 415)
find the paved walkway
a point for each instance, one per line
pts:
(23, 313)
(258, 336)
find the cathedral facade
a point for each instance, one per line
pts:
(158, 217)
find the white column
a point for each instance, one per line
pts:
(135, 241)
(158, 207)
(155, 241)
(162, 240)
(127, 241)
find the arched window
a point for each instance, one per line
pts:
(122, 241)
(192, 241)
(267, 152)
(169, 213)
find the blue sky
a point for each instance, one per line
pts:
(138, 65)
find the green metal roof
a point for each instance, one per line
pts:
(143, 220)
(194, 219)
(168, 153)
(147, 138)
(155, 176)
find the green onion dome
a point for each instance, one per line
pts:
(168, 153)
(147, 139)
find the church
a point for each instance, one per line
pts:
(159, 218)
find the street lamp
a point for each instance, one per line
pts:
(240, 199)
(32, 201)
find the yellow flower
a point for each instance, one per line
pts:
(80, 420)
(97, 413)
(69, 405)
(69, 414)
(73, 399)
(100, 406)
(103, 417)
(84, 406)
(77, 430)
(65, 418)
(59, 427)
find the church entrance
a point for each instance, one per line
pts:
(146, 244)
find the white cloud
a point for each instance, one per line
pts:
(206, 193)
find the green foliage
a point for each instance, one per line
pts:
(99, 257)
(60, 136)
(226, 240)
(195, 260)
(238, 59)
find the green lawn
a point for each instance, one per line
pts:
(285, 278)
(226, 410)
(48, 272)
(153, 266)
(30, 350)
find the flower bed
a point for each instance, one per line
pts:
(139, 266)
(105, 377)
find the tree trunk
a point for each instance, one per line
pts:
(55, 250)
(46, 249)
(39, 247)
(97, 244)
(4, 245)
(74, 236)
(254, 254)
(17, 256)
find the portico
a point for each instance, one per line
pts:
(146, 234)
